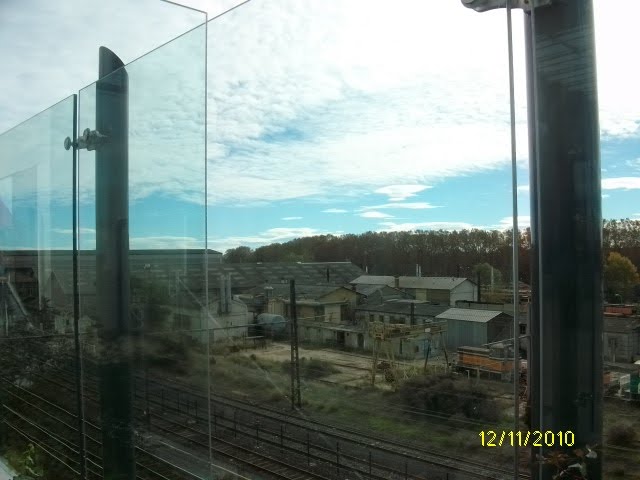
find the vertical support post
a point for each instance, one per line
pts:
(295, 361)
(308, 450)
(82, 445)
(112, 268)
(566, 226)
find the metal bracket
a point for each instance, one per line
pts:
(90, 139)
(486, 5)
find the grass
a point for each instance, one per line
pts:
(367, 409)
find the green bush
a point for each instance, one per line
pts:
(621, 435)
(311, 369)
(442, 395)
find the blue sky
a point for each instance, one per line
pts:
(323, 117)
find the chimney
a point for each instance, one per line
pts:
(396, 281)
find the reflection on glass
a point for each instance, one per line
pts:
(369, 169)
(142, 250)
(36, 301)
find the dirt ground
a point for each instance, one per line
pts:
(355, 369)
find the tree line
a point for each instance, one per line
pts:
(437, 252)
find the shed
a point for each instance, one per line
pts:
(475, 328)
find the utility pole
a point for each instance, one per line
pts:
(295, 360)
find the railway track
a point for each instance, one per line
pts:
(54, 432)
(181, 427)
(344, 449)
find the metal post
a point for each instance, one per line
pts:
(295, 361)
(308, 450)
(566, 226)
(338, 458)
(82, 446)
(112, 268)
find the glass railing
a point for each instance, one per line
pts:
(283, 249)
(36, 184)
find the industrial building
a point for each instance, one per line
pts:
(475, 328)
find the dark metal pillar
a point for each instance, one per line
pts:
(295, 360)
(566, 223)
(112, 268)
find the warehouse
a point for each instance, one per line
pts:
(475, 328)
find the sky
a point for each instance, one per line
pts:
(323, 117)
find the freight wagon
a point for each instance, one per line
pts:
(496, 361)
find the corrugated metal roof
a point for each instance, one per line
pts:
(431, 283)
(374, 280)
(403, 307)
(469, 315)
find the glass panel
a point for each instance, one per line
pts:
(129, 28)
(362, 151)
(620, 157)
(36, 301)
(142, 262)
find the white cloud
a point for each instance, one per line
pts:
(266, 237)
(411, 206)
(524, 221)
(410, 226)
(291, 218)
(397, 193)
(69, 231)
(164, 241)
(374, 214)
(605, 195)
(523, 189)
(635, 163)
(334, 210)
(621, 183)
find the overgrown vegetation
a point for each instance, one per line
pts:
(621, 435)
(311, 369)
(445, 396)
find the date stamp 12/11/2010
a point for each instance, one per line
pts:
(536, 438)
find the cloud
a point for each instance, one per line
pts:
(621, 183)
(411, 206)
(398, 193)
(523, 189)
(374, 214)
(165, 242)
(410, 226)
(271, 235)
(635, 163)
(291, 218)
(69, 231)
(334, 210)
(506, 223)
